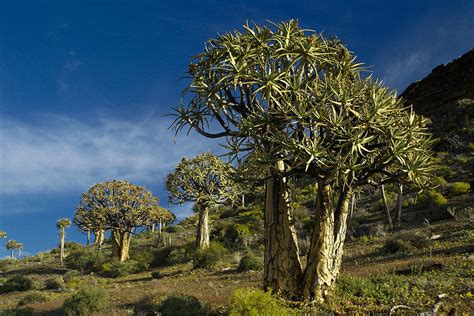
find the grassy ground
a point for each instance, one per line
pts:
(371, 280)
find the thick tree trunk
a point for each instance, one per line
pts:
(120, 245)
(61, 255)
(202, 232)
(386, 208)
(398, 221)
(326, 249)
(282, 266)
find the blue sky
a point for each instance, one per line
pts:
(84, 85)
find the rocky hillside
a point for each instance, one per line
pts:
(437, 94)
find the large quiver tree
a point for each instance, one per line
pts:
(205, 180)
(298, 102)
(118, 206)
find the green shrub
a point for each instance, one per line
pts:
(85, 302)
(471, 147)
(176, 305)
(117, 269)
(6, 264)
(376, 289)
(252, 302)
(54, 283)
(85, 260)
(406, 243)
(209, 258)
(144, 257)
(433, 198)
(156, 275)
(445, 172)
(458, 188)
(173, 229)
(70, 275)
(25, 311)
(440, 181)
(173, 255)
(35, 297)
(16, 283)
(250, 262)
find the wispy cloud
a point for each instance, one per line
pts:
(63, 154)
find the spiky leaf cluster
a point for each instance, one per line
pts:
(285, 93)
(204, 179)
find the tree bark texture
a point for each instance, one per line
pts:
(327, 241)
(282, 272)
(121, 245)
(388, 216)
(398, 221)
(202, 231)
(61, 253)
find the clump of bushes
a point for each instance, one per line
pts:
(458, 188)
(406, 243)
(252, 302)
(54, 283)
(85, 260)
(209, 258)
(175, 305)
(117, 269)
(172, 255)
(250, 262)
(70, 275)
(16, 283)
(156, 275)
(85, 302)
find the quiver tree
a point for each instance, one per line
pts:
(157, 218)
(118, 206)
(205, 180)
(61, 225)
(20, 248)
(11, 245)
(298, 102)
(3, 234)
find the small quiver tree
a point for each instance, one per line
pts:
(205, 180)
(11, 245)
(61, 225)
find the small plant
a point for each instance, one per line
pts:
(70, 275)
(85, 302)
(406, 243)
(209, 258)
(54, 283)
(16, 283)
(252, 302)
(85, 260)
(117, 269)
(458, 188)
(175, 305)
(35, 297)
(433, 198)
(156, 275)
(250, 262)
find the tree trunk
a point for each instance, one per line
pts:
(61, 255)
(19, 254)
(120, 245)
(398, 221)
(327, 241)
(159, 232)
(202, 232)
(11, 253)
(99, 238)
(88, 237)
(282, 266)
(385, 206)
(153, 227)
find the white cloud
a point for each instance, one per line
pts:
(63, 154)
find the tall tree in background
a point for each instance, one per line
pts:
(19, 247)
(118, 206)
(298, 102)
(205, 180)
(61, 225)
